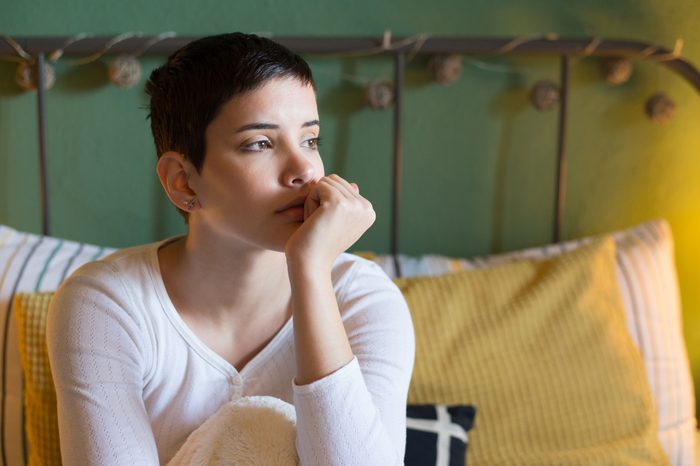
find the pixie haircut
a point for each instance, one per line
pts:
(188, 91)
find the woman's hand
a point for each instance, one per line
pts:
(335, 216)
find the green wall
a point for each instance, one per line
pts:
(479, 161)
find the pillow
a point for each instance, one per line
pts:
(541, 347)
(437, 434)
(41, 415)
(28, 262)
(646, 275)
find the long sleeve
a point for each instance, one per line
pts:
(357, 414)
(97, 361)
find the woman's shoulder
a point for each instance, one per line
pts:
(348, 266)
(116, 275)
(123, 263)
(109, 293)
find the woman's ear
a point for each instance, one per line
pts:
(174, 175)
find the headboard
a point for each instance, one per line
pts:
(36, 49)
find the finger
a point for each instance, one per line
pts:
(343, 186)
(334, 188)
(352, 187)
(313, 201)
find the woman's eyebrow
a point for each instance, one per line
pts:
(252, 126)
(257, 126)
(310, 123)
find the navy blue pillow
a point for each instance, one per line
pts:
(437, 434)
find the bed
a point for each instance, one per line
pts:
(569, 353)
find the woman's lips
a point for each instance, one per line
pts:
(295, 213)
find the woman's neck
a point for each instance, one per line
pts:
(229, 284)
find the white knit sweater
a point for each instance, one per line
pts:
(133, 381)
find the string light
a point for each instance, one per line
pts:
(660, 108)
(125, 70)
(545, 95)
(379, 92)
(28, 79)
(445, 69)
(379, 95)
(27, 76)
(616, 70)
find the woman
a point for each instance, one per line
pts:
(258, 298)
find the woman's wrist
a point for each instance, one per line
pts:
(307, 264)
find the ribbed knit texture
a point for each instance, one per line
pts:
(542, 350)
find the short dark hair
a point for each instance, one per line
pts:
(188, 91)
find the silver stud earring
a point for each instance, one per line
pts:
(190, 204)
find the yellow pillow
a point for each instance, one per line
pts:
(39, 394)
(542, 351)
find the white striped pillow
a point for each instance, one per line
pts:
(646, 275)
(28, 262)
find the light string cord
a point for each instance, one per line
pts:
(417, 41)
(23, 55)
(518, 41)
(587, 51)
(58, 53)
(386, 46)
(673, 55)
(159, 38)
(504, 49)
(108, 45)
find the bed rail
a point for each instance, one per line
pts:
(565, 48)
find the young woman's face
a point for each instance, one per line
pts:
(261, 155)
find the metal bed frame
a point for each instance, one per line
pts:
(399, 48)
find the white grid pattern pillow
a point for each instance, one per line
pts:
(646, 275)
(28, 262)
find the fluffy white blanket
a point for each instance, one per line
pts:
(249, 431)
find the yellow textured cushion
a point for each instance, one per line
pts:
(542, 351)
(39, 393)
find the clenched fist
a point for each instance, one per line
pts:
(335, 217)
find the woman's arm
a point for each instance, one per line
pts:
(97, 363)
(357, 414)
(320, 341)
(352, 372)
(335, 216)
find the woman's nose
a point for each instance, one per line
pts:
(299, 170)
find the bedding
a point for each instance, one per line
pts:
(646, 275)
(437, 435)
(540, 347)
(645, 272)
(28, 262)
(41, 415)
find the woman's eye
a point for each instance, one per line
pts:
(258, 145)
(312, 143)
